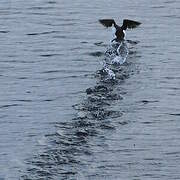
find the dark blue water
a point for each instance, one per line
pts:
(60, 118)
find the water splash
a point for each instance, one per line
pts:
(110, 73)
(122, 52)
(115, 55)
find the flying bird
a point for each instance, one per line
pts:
(119, 31)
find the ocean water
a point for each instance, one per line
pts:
(63, 117)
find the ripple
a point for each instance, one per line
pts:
(37, 13)
(148, 101)
(40, 8)
(170, 2)
(52, 2)
(4, 32)
(101, 44)
(132, 42)
(23, 100)
(158, 7)
(60, 36)
(48, 100)
(50, 71)
(96, 54)
(107, 127)
(9, 105)
(42, 33)
(174, 114)
(50, 55)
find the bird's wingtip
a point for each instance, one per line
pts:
(106, 22)
(130, 24)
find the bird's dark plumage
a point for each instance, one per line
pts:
(107, 22)
(127, 24)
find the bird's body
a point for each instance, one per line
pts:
(119, 31)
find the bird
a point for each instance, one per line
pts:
(119, 31)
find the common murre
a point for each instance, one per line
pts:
(119, 31)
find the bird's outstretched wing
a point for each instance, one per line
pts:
(130, 24)
(106, 22)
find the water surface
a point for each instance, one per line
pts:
(59, 119)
